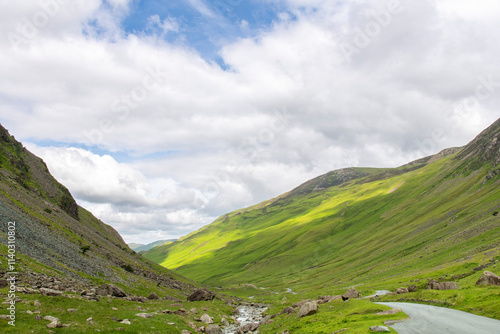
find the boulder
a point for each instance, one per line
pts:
(379, 329)
(55, 324)
(213, 329)
(400, 291)
(412, 288)
(206, 319)
(111, 290)
(488, 278)
(3, 283)
(153, 295)
(351, 293)
(51, 318)
(185, 331)
(250, 327)
(308, 309)
(144, 315)
(201, 294)
(435, 285)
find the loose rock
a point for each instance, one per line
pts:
(400, 291)
(488, 278)
(379, 329)
(308, 309)
(213, 329)
(206, 319)
(351, 293)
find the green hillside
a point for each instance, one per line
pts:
(64, 255)
(438, 215)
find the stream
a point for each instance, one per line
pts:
(247, 314)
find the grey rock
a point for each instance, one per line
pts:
(308, 309)
(351, 293)
(144, 315)
(379, 329)
(488, 278)
(206, 319)
(55, 324)
(213, 329)
(400, 291)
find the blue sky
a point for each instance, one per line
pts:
(205, 25)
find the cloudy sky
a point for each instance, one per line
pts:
(161, 115)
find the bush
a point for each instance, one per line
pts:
(127, 267)
(84, 249)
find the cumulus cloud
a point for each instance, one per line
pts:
(329, 84)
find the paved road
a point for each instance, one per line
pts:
(427, 319)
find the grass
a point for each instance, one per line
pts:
(103, 314)
(387, 227)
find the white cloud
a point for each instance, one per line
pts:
(216, 141)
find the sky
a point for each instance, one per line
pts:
(160, 116)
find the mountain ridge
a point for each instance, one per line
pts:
(308, 227)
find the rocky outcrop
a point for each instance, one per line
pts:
(435, 285)
(488, 278)
(201, 294)
(308, 309)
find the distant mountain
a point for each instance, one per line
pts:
(141, 247)
(356, 225)
(57, 240)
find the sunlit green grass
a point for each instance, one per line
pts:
(377, 231)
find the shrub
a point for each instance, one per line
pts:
(84, 249)
(127, 267)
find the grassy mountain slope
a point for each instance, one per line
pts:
(436, 215)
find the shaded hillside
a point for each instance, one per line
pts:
(56, 237)
(357, 224)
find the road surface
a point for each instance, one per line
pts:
(427, 319)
